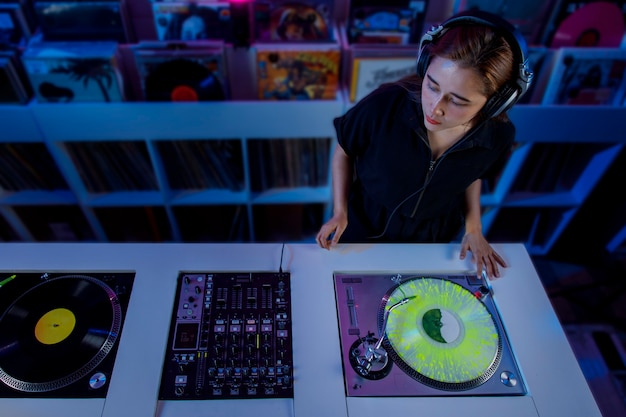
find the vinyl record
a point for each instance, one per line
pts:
(443, 336)
(57, 332)
(183, 80)
(595, 24)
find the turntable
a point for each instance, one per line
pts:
(423, 335)
(59, 332)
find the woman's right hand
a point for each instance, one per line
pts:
(331, 231)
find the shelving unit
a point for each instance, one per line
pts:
(618, 243)
(185, 172)
(532, 201)
(564, 151)
(124, 177)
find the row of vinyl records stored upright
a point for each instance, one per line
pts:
(289, 51)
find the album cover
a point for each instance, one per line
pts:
(293, 21)
(14, 85)
(84, 20)
(528, 16)
(194, 71)
(15, 27)
(587, 76)
(387, 22)
(585, 23)
(9, 90)
(189, 21)
(369, 72)
(297, 74)
(63, 72)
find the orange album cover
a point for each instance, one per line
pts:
(297, 74)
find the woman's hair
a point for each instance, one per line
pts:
(476, 47)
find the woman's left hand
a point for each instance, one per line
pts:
(485, 257)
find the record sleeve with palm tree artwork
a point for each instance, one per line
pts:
(59, 332)
(62, 72)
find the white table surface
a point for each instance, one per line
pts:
(555, 383)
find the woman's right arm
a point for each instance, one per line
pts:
(332, 230)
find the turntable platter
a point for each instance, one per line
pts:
(444, 337)
(55, 332)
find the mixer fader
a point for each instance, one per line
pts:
(230, 337)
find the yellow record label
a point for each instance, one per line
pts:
(55, 326)
(443, 332)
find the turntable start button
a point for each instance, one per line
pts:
(508, 378)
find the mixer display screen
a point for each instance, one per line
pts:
(230, 337)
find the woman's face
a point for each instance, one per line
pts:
(451, 96)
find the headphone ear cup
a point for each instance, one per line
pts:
(501, 101)
(423, 57)
(422, 62)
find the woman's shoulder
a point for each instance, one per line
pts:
(498, 133)
(504, 127)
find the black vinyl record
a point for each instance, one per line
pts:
(183, 79)
(58, 332)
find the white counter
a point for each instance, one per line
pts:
(555, 383)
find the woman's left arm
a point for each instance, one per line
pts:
(485, 257)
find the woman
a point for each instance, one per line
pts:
(411, 155)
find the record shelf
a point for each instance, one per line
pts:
(533, 200)
(146, 127)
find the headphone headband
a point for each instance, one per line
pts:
(511, 92)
